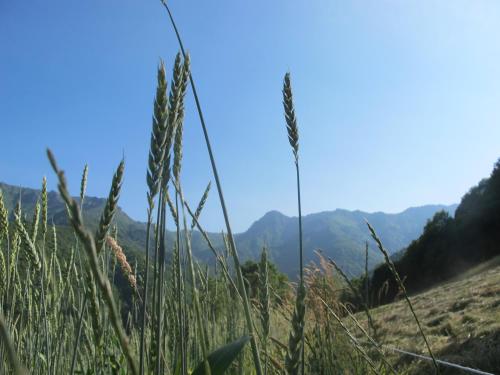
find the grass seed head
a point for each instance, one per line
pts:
(110, 208)
(291, 120)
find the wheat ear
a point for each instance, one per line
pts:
(201, 204)
(122, 261)
(32, 251)
(236, 260)
(89, 244)
(110, 208)
(290, 118)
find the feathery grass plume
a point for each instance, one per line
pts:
(201, 204)
(395, 273)
(295, 353)
(196, 299)
(264, 301)
(353, 289)
(45, 207)
(32, 251)
(236, 260)
(110, 208)
(89, 244)
(122, 261)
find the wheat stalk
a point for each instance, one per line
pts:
(354, 341)
(393, 270)
(34, 222)
(3, 275)
(296, 348)
(264, 301)
(89, 243)
(45, 207)
(241, 285)
(153, 175)
(9, 345)
(353, 289)
(4, 216)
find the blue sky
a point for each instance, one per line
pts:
(397, 102)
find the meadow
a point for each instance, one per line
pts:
(85, 309)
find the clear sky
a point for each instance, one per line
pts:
(398, 102)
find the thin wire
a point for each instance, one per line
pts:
(440, 361)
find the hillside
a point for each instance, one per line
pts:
(449, 245)
(461, 319)
(341, 234)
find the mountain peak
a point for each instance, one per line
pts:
(273, 214)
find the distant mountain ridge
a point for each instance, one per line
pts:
(340, 234)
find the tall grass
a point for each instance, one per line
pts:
(400, 283)
(74, 300)
(295, 358)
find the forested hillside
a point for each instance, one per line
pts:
(449, 245)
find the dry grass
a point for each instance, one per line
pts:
(461, 319)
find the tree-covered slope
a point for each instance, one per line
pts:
(450, 245)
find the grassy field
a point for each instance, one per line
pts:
(86, 309)
(461, 319)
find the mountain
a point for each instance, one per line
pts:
(340, 234)
(449, 244)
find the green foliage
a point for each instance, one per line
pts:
(448, 245)
(222, 358)
(278, 281)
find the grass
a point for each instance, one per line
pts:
(461, 319)
(63, 310)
